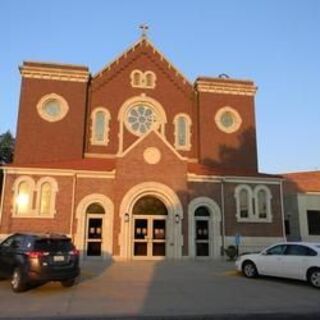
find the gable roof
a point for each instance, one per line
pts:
(143, 44)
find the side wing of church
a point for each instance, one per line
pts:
(136, 162)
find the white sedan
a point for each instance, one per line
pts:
(295, 260)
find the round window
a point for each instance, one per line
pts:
(140, 119)
(52, 107)
(228, 120)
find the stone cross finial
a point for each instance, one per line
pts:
(144, 28)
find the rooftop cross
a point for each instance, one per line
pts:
(144, 28)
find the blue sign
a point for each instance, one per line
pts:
(237, 239)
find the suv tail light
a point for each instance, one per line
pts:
(36, 254)
(74, 252)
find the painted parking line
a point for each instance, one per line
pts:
(232, 273)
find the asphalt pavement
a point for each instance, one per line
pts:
(163, 290)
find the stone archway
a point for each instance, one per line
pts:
(214, 221)
(174, 219)
(107, 225)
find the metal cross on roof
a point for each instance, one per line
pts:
(144, 28)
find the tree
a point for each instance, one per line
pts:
(7, 142)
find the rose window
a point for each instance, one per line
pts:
(141, 119)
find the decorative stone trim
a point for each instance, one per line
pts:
(174, 206)
(107, 225)
(61, 74)
(236, 120)
(215, 240)
(107, 118)
(152, 155)
(143, 79)
(63, 104)
(226, 88)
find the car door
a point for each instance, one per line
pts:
(5, 253)
(269, 261)
(296, 260)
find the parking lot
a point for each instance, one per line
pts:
(165, 288)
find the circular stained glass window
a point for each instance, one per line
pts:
(140, 119)
(52, 107)
(228, 120)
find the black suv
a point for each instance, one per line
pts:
(38, 258)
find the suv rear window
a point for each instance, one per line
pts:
(53, 245)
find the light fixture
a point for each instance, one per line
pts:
(126, 217)
(177, 218)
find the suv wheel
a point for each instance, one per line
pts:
(17, 281)
(249, 269)
(68, 283)
(314, 277)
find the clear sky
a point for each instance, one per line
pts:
(276, 43)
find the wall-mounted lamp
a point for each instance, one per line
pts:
(126, 217)
(177, 218)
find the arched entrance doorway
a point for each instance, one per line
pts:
(167, 215)
(149, 228)
(94, 233)
(204, 228)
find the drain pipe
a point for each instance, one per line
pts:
(222, 216)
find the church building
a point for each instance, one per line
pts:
(137, 162)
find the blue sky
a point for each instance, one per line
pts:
(276, 43)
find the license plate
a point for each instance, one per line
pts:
(58, 258)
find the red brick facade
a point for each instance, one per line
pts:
(118, 173)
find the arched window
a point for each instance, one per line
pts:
(100, 126)
(149, 205)
(45, 198)
(95, 208)
(244, 203)
(23, 189)
(24, 197)
(47, 189)
(244, 207)
(202, 212)
(262, 198)
(149, 79)
(182, 124)
(141, 79)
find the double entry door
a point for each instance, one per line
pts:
(149, 237)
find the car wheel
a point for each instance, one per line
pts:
(314, 277)
(68, 283)
(249, 269)
(18, 283)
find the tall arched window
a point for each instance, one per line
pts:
(23, 196)
(45, 198)
(244, 207)
(100, 126)
(244, 203)
(47, 189)
(182, 124)
(262, 198)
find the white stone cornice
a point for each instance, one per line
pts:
(242, 89)
(62, 74)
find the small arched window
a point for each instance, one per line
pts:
(45, 198)
(23, 189)
(47, 189)
(262, 198)
(202, 212)
(244, 203)
(182, 124)
(244, 207)
(100, 126)
(24, 197)
(95, 208)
